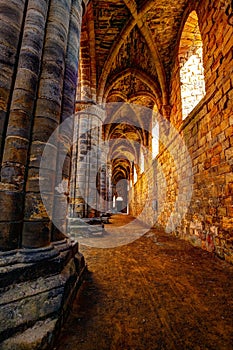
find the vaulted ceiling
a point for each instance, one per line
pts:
(127, 50)
(139, 35)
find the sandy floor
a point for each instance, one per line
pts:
(156, 293)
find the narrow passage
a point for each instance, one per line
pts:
(158, 292)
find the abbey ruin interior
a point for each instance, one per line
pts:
(116, 129)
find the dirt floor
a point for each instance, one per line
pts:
(158, 292)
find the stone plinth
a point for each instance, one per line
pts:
(37, 289)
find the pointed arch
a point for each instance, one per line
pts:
(141, 76)
(191, 65)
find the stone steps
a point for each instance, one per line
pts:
(39, 337)
(32, 310)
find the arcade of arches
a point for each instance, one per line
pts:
(142, 92)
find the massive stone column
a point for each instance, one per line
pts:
(38, 276)
(12, 20)
(105, 182)
(15, 109)
(37, 225)
(66, 147)
(82, 163)
(88, 159)
(109, 187)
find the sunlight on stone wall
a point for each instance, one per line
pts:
(155, 140)
(192, 83)
(191, 65)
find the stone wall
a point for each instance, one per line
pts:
(207, 133)
(191, 65)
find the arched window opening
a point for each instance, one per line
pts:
(155, 140)
(135, 175)
(191, 65)
(142, 162)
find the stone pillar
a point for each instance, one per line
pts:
(131, 188)
(18, 133)
(39, 280)
(102, 188)
(109, 187)
(63, 173)
(37, 224)
(105, 183)
(12, 19)
(88, 159)
(83, 146)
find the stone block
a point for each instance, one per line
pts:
(10, 235)
(36, 184)
(36, 234)
(16, 149)
(229, 131)
(40, 336)
(43, 128)
(11, 204)
(49, 159)
(33, 309)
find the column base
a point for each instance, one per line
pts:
(37, 288)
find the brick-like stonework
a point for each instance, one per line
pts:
(191, 65)
(208, 134)
(129, 51)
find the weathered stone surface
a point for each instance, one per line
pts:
(40, 336)
(37, 285)
(35, 294)
(206, 132)
(37, 231)
(8, 200)
(10, 233)
(133, 52)
(11, 17)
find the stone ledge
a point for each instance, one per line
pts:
(39, 300)
(27, 264)
(40, 336)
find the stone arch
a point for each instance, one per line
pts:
(141, 76)
(191, 65)
(117, 96)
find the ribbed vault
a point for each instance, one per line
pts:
(127, 54)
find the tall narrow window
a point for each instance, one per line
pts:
(155, 140)
(142, 161)
(135, 175)
(191, 65)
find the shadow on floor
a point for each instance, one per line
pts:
(156, 293)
